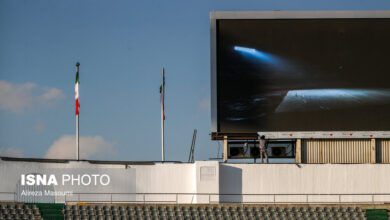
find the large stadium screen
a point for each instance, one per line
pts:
(303, 75)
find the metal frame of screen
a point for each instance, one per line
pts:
(214, 16)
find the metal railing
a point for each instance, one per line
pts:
(215, 198)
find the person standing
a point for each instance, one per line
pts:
(263, 148)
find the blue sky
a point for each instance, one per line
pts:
(122, 46)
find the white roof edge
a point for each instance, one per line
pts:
(325, 134)
(298, 14)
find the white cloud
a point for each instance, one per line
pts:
(10, 152)
(91, 147)
(51, 94)
(22, 97)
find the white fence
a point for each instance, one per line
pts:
(189, 198)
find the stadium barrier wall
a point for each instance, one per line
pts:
(208, 182)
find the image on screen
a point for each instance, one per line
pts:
(303, 75)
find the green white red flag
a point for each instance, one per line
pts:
(76, 89)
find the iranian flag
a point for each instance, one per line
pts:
(76, 90)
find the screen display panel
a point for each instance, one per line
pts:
(303, 74)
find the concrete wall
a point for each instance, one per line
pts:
(162, 182)
(138, 183)
(210, 182)
(307, 182)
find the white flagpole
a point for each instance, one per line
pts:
(77, 137)
(162, 116)
(77, 122)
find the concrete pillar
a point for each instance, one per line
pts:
(298, 152)
(373, 151)
(225, 149)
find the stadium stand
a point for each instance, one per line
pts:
(184, 212)
(19, 211)
(168, 212)
(51, 211)
(377, 214)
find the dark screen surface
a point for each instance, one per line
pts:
(303, 75)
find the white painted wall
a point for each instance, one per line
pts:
(336, 180)
(164, 181)
(212, 182)
(207, 181)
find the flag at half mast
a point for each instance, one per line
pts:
(76, 90)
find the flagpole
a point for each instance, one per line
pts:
(77, 137)
(162, 117)
(77, 123)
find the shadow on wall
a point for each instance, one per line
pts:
(230, 184)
